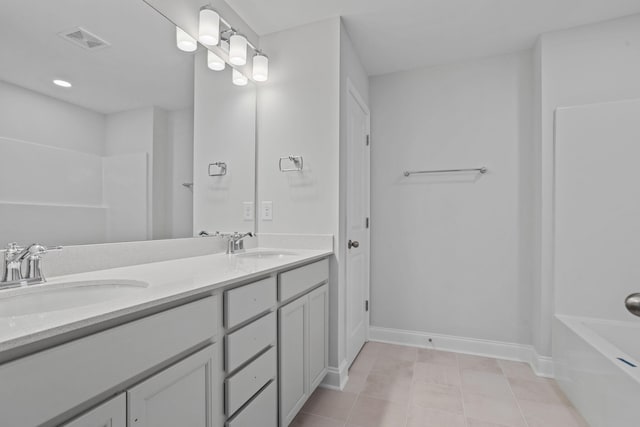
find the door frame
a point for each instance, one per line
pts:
(351, 91)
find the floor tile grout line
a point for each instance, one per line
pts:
(353, 405)
(409, 400)
(464, 407)
(526, 423)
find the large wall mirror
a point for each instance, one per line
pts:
(123, 146)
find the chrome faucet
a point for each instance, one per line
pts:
(14, 272)
(235, 241)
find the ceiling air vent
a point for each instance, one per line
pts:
(83, 38)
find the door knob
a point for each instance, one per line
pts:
(633, 304)
(353, 244)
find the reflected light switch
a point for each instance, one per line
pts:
(267, 211)
(247, 211)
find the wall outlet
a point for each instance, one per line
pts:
(267, 211)
(248, 211)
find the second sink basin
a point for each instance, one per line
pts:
(65, 296)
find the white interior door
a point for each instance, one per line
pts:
(357, 259)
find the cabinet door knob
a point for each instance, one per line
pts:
(353, 244)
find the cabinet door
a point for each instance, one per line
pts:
(318, 336)
(181, 395)
(293, 359)
(112, 413)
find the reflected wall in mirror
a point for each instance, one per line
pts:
(105, 160)
(224, 151)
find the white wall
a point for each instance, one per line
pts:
(597, 206)
(299, 114)
(589, 64)
(161, 183)
(129, 133)
(181, 131)
(125, 189)
(50, 169)
(91, 166)
(450, 252)
(224, 131)
(29, 116)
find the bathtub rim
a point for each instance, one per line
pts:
(579, 325)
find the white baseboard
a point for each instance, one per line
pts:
(542, 366)
(336, 378)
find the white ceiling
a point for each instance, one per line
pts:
(141, 68)
(394, 35)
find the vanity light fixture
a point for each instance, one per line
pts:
(260, 67)
(238, 50)
(185, 42)
(209, 27)
(62, 83)
(214, 62)
(214, 30)
(239, 79)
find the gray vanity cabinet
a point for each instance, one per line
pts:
(112, 413)
(178, 396)
(318, 335)
(303, 336)
(111, 360)
(304, 325)
(294, 381)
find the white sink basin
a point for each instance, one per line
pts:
(65, 296)
(268, 253)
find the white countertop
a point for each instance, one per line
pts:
(168, 281)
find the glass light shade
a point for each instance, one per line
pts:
(260, 68)
(209, 28)
(184, 41)
(239, 79)
(215, 62)
(238, 50)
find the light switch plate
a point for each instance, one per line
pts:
(267, 211)
(247, 211)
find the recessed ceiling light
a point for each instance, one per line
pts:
(62, 83)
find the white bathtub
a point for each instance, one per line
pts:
(594, 364)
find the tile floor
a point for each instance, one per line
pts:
(397, 386)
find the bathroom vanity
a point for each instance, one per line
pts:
(218, 340)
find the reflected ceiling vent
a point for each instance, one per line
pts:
(83, 38)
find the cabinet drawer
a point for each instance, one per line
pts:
(57, 380)
(246, 302)
(296, 282)
(262, 411)
(245, 343)
(243, 385)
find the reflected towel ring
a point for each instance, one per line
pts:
(297, 161)
(222, 169)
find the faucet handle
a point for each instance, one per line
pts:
(39, 249)
(13, 248)
(34, 261)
